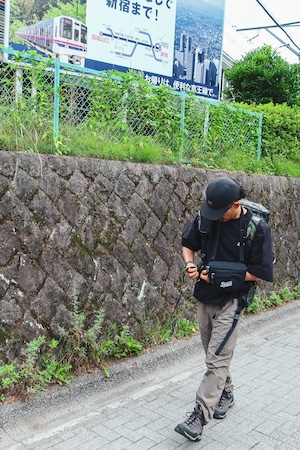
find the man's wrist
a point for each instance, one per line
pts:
(188, 262)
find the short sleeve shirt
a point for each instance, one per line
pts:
(258, 255)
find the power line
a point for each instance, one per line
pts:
(291, 24)
(277, 24)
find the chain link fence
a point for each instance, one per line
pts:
(49, 106)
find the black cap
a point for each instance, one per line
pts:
(220, 194)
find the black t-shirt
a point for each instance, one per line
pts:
(258, 255)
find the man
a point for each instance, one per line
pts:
(217, 229)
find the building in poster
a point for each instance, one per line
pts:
(173, 42)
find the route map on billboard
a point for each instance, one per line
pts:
(137, 35)
(173, 42)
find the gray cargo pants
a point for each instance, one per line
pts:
(214, 323)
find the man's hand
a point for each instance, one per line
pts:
(203, 276)
(192, 271)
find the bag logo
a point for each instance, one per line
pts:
(226, 284)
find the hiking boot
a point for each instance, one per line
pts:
(225, 402)
(192, 427)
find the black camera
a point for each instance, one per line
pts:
(201, 267)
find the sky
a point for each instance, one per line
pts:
(241, 14)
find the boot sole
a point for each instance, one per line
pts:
(181, 430)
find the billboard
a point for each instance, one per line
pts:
(173, 42)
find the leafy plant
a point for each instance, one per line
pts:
(275, 299)
(263, 76)
(286, 294)
(85, 346)
(80, 345)
(185, 328)
(39, 369)
(296, 291)
(172, 326)
(255, 305)
(124, 344)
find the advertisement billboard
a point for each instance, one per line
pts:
(173, 42)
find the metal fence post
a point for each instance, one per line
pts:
(56, 101)
(182, 122)
(260, 121)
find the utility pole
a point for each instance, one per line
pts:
(6, 23)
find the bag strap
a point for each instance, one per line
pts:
(216, 243)
(242, 238)
(236, 318)
(242, 242)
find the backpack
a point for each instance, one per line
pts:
(259, 212)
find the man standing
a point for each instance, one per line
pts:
(216, 232)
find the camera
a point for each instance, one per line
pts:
(201, 267)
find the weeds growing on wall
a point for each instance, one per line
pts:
(79, 348)
(83, 349)
(285, 295)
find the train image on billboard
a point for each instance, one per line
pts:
(62, 37)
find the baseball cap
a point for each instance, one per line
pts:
(220, 194)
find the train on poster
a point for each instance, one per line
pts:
(61, 37)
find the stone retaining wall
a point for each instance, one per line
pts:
(107, 234)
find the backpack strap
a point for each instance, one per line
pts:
(216, 243)
(252, 227)
(205, 228)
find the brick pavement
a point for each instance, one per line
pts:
(147, 396)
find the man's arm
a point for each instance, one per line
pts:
(250, 277)
(192, 271)
(188, 258)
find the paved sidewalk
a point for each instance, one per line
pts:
(140, 404)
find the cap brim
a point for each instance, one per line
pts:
(210, 213)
